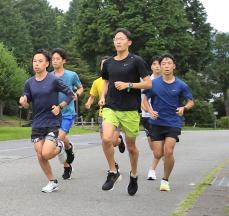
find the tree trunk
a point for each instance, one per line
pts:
(226, 101)
(2, 104)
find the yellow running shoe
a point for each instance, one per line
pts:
(164, 186)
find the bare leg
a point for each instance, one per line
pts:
(133, 154)
(44, 163)
(107, 142)
(169, 158)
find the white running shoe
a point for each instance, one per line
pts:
(50, 187)
(151, 175)
(62, 156)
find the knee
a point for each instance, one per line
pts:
(132, 149)
(157, 155)
(107, 140)
(168, 152)
(47, 155)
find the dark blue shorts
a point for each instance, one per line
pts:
(158, 133)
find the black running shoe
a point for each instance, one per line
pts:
(121, 145)
(133, 186)
(70, 154)
(67, 172)
(111, 179)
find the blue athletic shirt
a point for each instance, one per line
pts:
(165, 99)
(43, 95)
(71, 79)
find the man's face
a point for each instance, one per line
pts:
(167, 66)
(156, 68)
(121, 42)
(40, 63)
(57, 61)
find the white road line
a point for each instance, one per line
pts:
(15, 149)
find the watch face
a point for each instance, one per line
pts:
(131, 85)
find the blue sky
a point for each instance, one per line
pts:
(217, 11)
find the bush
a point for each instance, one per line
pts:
(223, 122)
(202, 115)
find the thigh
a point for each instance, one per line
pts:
(129, 121)
(108, 131)
(169, 144)
(173, 132)
(38, 146)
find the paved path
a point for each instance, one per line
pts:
(21, 179)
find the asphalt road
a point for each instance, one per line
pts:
(21, 178)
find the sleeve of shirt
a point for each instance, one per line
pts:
(186, 92)
(93, 90)
(27, 91)
(76, 80)
(104, 72)
(143, 68)
(61, 87)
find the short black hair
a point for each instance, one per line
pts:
(154, 58)
(61, 52)
(44, 52)
(124, 31)
(167, 55)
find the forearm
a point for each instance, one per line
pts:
(189, 105)
(79, 91)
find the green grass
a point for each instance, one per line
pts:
(14, 133)
(199, 189)
(226, 210)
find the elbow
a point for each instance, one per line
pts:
(149, 85)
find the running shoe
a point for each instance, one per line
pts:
(70, 154)
(133, 185)
(151, 175)
(51, 186)
(112, 178)
(67, 172)
(62, 154)
(121, 145)
(164, 186)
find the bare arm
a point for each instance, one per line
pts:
(145, 84)
(188, 105)
(105, 89)
(148, 108)
(89, 102)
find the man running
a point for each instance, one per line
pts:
(96, 91)
(70, 79)
(42, 91)
(122, 101)
(166, 110)
(156, 72)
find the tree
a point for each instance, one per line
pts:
(41, 22)
(200, 51)
(12, 77)
(219, 67)
(14, 33)
(157, 26)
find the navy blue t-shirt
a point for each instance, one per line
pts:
(43, 95)
(166, 98)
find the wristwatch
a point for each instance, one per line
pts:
(130, 85)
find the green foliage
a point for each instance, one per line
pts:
(12, 77)
(14, 33)
(41, 22)
(201, 115)
(223, 122)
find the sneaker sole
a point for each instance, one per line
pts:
(55, 189)
(151, 179)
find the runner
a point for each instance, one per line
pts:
(166, 110)
(70, 79)
(156, 72)
(122, 102)
(96, 91)
(42, 91)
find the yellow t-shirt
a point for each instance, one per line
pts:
(97, 90)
